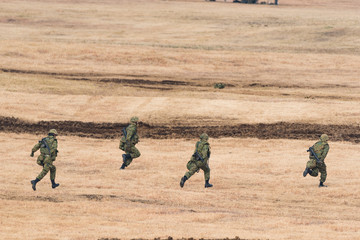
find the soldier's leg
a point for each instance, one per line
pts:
(191, 166)
(314, 172)
(130, 155)
(206, 170)
(45, 170)
(128, 161)
(135, 153)
(309, 166)
(52, 172)
(52, 177)
(40, 160)
(322, 170)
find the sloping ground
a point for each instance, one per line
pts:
(280, 130)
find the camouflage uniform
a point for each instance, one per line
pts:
(197, 162)
(48, 153)
(321, 149)
(128, 142)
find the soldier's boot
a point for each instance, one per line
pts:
(207, 184)
(307, 171)
(322, 184)
(125, 157)
(53, 184)
(33, 183)
(183, 180)
(123, 166)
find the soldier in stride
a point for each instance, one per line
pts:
(48, 152)
(128, 142)
(316, 163)
(199, 160)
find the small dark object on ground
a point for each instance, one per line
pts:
(219, 85)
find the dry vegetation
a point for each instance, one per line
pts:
(259, 192)
(104, 61)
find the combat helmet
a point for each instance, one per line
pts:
(134, 119)
(324, 137)
(204, 136)
(53, 132)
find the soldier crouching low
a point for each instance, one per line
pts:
(199, 160)
(48, 153)
(128, 142)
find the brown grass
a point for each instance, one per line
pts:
(67, 60)
(259, 192)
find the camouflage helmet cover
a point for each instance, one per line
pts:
(134, 119)
(324, 137)
(53, 131)
(204, 136)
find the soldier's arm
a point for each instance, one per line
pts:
(204, 152)
(324, 153)
(53, 148)
(130, 132)
(36, 147)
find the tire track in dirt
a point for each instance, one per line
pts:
(279, 130)
(142, 81)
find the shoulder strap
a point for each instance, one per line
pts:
(44, 141)
(124, 131)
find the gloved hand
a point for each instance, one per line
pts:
(32, 154)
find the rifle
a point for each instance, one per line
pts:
(314, 154)
(198, 156)
(46, 145)
(124, 132)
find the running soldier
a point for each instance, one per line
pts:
(48, 153)
(316, 162)
(199, 160)
(128, 142)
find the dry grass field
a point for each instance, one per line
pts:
(97, 63)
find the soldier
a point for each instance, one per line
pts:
(48, 152)
(199, 160)
(128, 142)
(320, 148)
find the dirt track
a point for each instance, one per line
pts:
(280, 130)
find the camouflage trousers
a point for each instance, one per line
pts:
(134, 153)
(316, 168)
(47, 164)
(194, 166)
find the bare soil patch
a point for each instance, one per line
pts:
(280, 130)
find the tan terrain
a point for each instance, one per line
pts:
(85, 67)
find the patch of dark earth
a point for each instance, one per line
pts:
(138, 80)
(279, 130)
(29, 198)
(99, 78)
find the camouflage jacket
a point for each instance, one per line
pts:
(131, 134)
(203, 148)
(50, 149)
(321, 149)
